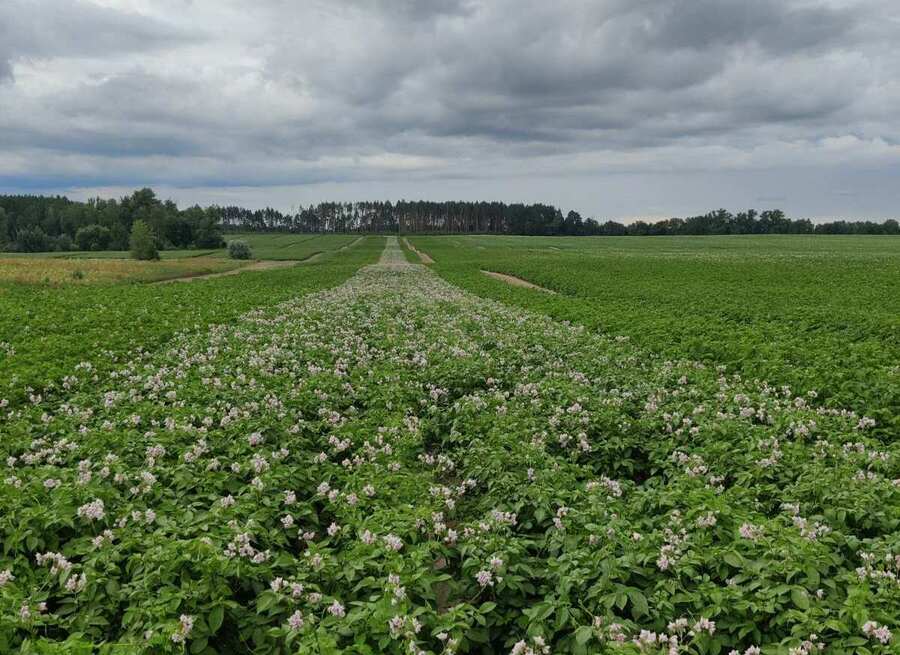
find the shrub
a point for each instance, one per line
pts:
(4, 230)
(208, 235)
(142, 242)
(64, 242)
(118, 237)
(92, 237)
(239, 250)
(32, 239)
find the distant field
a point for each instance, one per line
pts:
(292, 246)
(117, 266)
(56, 270)
(264, 246)
(813, 312)
(111, 254)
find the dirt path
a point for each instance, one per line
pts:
(294, 243)
(392, 257)
(351, 244)
(263, 265)
(425, 259)
(515, 281)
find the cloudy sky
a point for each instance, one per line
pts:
(615, 108)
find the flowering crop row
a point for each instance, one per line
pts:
(395, 465)
(46, 331)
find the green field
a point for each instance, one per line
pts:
(111, 254)
(293, 246)
(363, 454)
(263, 246)
(50, 329)
(815, 313)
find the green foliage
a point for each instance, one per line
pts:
(201, 227)
(102, 224)
(52, 330)
(207, 233)
(32, 239)
(455, 217)
(92, 237)
(295, 246)
(142, 242)
(239, 250)
(816, 313)
(5, 236)
(63, 243)
(271, 463)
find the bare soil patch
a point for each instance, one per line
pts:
(423, 257)
(515, 281)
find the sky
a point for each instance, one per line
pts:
(618, 109)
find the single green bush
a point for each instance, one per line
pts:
(142, 242)
(64, 243)
(92, 237)
(32, 239)
(208, 234)
(239, 250)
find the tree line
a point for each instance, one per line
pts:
(44, 223)
(457, 217)
(38, 223)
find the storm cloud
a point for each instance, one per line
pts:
(616, 108)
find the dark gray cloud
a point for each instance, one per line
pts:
(477, 94)
(419, 10)
(779, 27)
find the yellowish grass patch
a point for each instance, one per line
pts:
(47, 270)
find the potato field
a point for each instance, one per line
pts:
(665, 445)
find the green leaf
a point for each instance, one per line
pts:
(215, 618)
(478, 635)
(266, 601)
(487, 607)
(542, 611)
(639, 605)
(800, 599)
(733, 559)
(583, 634)
(812, 576)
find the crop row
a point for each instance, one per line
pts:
(46, 331)
(814, 312)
